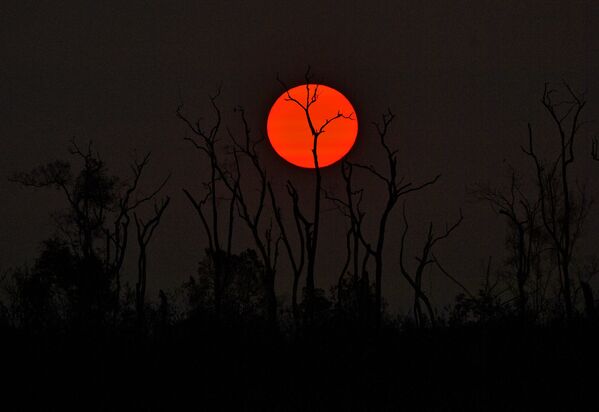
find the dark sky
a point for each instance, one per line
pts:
(463, 78)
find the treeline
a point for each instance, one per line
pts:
(76, 281)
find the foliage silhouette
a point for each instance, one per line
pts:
(80, 267)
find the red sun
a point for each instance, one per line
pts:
(290, 134)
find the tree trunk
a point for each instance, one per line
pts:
(589, 300)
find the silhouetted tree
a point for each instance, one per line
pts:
(357, 256)
(92, 230)
(486, 306)
(242, 151)
(312, 227)
(585, 275)
(424, 259)
(524, 239)
(296, 258)
(242, 290)
(117, 236)
(145, 230)
(266, 242)
(395, 187)
(33, 302)
(562, 210)
(164, 312)
(207, 209)
(90, 196)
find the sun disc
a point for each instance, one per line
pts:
(289, 132)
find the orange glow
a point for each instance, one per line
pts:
(290, 135)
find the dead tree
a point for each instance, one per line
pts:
(117, 237)
(206, 141)
(595, 150)
(265, 240)
(311, 237)
(524, 239)
(423, 260)
(562, 211)
(296, 259)
(357, 257)
(585, 275)
(145, 230)
(396, 187)
(243, 151)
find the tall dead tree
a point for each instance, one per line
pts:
(265, 240)
(357, 256)
(145, 230)
(316, 131)
(117, 236)
(584, 280)
(395, 187)
(242, 154)
(562, 210)
(297, 256)
(424, 259)
(524, 239)
(207, 209)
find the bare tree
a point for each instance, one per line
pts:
(357, 255)
(595, 150)
(243, 151)
(117, 237)
(585, 275)
(207, 208)
(265, 241)
(296, 259)
(562, 210)
(423, 260)
(316, 131)
(396, 187)
(524, 239)
(145, 230)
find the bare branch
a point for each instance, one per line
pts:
(450, 277)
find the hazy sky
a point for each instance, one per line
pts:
(463, 78)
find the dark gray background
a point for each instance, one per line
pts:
(463, 77)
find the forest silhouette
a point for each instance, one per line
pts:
(75, 334)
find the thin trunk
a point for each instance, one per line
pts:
(294, 304)
(589, 300)
(310, 285)
(566, 230)
(378, 288)
(140, 287)
(271, 299)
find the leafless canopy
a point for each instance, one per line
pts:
(562, 211)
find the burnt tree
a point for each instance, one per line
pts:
(265, 240)
(395, 188)
(524, 240)
(145, 230)
(563, 211)
(357, 256)
(312, 227)
(424, 259)
(205, 141)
